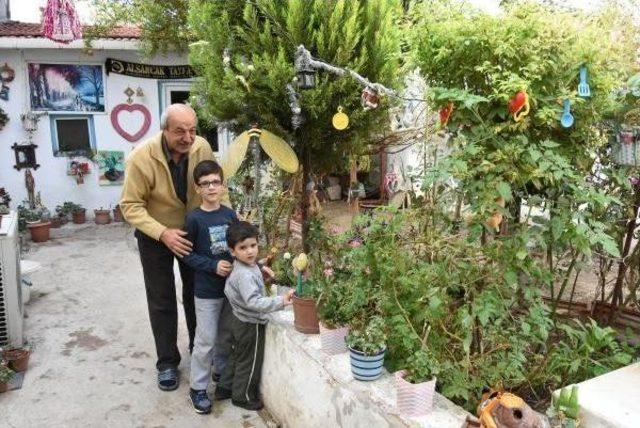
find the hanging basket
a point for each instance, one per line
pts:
(626, 147)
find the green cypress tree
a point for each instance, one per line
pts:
(245, 55)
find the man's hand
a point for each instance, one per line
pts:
(288, 297)
(224, 268)
(175, 241)
(267, 273)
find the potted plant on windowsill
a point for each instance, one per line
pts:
(305, 315)
(416, 385)
(102, 216)
(6, 374)
(367, 347)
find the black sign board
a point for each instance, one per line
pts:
(148, 71)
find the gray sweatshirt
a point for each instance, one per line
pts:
(245, 291)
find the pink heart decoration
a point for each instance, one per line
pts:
(131, 108)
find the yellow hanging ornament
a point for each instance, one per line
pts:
(340, 120)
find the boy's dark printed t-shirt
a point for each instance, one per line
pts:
(207, 231)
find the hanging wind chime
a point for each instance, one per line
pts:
(60, 22)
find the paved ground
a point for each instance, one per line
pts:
(93, 354)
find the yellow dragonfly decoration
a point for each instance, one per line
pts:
(275, 147)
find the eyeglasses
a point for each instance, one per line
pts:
(212, 183)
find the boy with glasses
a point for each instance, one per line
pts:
(206, 227)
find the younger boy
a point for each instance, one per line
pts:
(245, 290)
(206, 227)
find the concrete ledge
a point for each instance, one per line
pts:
(611, 400)
(304, 387)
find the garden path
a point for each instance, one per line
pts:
(93, 353)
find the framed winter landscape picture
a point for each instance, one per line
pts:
(69, 88)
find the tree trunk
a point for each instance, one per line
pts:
(622, 266)
(306, 165)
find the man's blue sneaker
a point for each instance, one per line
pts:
(168, 379)
(200, 401)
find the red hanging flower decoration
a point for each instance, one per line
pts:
(445, 114)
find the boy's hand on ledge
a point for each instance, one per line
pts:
(224, 268)
(175, 241)
(288, 297)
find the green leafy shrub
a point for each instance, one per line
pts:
(369, 338)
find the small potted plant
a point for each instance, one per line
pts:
(102, 216)
(416, 385)
(35, 220)
(62, 214)
(78, 213)
(305, 315)
(17, 358)
(367, 347)
(117, 214)
(6, 374)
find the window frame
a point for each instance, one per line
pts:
(55, 144)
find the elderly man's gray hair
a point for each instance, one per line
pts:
(174, 108)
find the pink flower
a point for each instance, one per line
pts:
(635, 181)
(328, 272)
(336, 230)
(355, 243)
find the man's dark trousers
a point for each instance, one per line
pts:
(244, 369)
(159, 281)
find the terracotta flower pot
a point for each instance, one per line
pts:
(79, 217)
(332, 340)
(4, 387)
(18, 359)
(305, 315)
(102, 216)
(117, 214)
(414, 399)
(56, 222)
(39, 231)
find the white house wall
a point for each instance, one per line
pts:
(54, 185)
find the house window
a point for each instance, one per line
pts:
(72, 135)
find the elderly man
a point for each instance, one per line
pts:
(158, 191)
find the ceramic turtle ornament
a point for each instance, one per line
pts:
(500, 409)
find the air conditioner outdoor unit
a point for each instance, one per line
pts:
(11, 308)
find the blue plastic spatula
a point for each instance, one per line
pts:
(583, 86)
(566, 120)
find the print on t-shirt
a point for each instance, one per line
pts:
(217, 236)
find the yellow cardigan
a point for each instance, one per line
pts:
(149, 201)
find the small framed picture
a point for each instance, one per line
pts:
(25, 156)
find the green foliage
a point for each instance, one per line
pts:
(6, 374)
(469, 312)
(163, 24)
(370, 339)
(565, 407)
(245, 54)
(421, 366)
